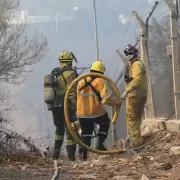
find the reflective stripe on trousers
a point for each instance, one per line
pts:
(87, 135)
(58, 137)
(104, 133)
(70, 142)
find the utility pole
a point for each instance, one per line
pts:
(125, 62)
(97, 46)
(150, 113)
(95, 28)
(56, 21)
(175, 54)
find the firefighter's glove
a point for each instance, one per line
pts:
(50, 107)
(124, 95)
(118, 103)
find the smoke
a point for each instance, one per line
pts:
(75, 8)
(123, 19)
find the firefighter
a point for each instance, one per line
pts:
(92, 93)
(64, 75)
(135, 94)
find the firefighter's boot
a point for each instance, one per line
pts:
(80, 150)
(100, 145)
(71, 150)
(83, 153)
(57, 149)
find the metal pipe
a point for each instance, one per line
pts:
(56, 21)
(95, 29)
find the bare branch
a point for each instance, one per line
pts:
(17, 52)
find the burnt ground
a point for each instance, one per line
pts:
(155, 161)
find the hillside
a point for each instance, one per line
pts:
(155, 161)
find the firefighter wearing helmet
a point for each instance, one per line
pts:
(92, 92)
(135, 94)
(63, 76)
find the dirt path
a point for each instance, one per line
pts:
(155, 161)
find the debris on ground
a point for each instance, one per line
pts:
(159, 160)
(175, 175)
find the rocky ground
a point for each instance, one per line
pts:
(155, 161)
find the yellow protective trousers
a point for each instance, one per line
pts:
(134, 112)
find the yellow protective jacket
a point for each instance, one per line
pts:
(88, 104)
(63, 84)
(138, 85)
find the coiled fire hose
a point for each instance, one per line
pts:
(114, 119)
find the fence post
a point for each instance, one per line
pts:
(144, 58)
(175, 54)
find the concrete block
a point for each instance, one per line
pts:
(175, 150)
(154, 123)
(173, 125)
(166, 125)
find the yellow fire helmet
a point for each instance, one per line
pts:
(66, 56)
(98, 66)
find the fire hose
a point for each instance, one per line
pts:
(114, 119)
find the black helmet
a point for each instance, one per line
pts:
(130, 52)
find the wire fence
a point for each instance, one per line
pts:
(161, 69)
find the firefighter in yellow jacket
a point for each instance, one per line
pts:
(64, 76)
(135, 94)
(91, 94)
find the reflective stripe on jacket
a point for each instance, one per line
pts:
(138, 85)
(88, 105)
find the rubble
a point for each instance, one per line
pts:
(175, 175)
(153, 162)
(144, 177)
(87, 177)
(175, 150)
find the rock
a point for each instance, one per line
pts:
(97, 162)
(75, 166)
(24, 167)
(117, 178)
(164, 166)
(85, 163)
(87, 177)
(119, 144)
(158, 165)
(146, 131)
(138, 158)
(167, 166)
(144, 177)
(151, 158)
(175, 150)
(175, 175)
(123, 160)
(110, 167)
(167, 146)
(105, 158)
(168, 135)
(120, 178)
